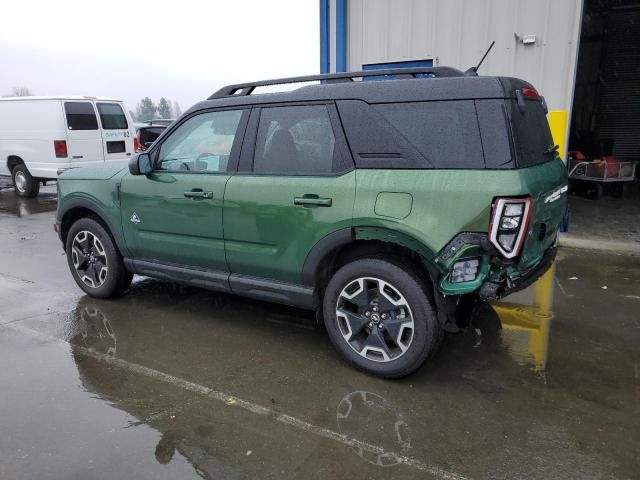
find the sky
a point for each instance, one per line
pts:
(128, 49)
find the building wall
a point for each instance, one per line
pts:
(457, 33)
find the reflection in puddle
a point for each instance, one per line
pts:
(372, 419)
(91, 329)
(525, 333)
(520, 331)
(11, 204)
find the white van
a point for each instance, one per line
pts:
(40, 136)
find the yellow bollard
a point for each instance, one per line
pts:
(536, 320)
(544, 286)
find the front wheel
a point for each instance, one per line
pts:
(23, 183)
(94, 261)
(379, 318)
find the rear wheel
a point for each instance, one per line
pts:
(25, 185)
(95, 263)
(379, 318)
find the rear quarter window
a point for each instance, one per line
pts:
(112, 117)
(446, 133)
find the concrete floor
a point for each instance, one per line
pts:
(608, 218)
(175, 382)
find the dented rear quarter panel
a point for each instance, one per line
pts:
(447, 202)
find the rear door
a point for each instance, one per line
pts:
(117, 138)
(84, 140)
(296, 185)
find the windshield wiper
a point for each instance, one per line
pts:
(552, 149)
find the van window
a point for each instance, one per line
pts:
(444, 132)
(531, 134)
(294, 140)
(80, 116)
(112, 116)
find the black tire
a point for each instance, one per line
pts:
(426, 332)
(116, 277)
(616, 190)
(595, 191)
(26, 185)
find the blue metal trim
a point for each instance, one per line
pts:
(341, 35)
(325, 64)
(387, 65)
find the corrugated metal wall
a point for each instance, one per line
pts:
(457, 32)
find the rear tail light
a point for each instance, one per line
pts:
(60, 147)
(509, 223)
(136, 143)
(530, 92)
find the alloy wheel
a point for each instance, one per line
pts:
(20, 181)
(375, 319)
(89, 259)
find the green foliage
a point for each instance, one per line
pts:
(164, 108)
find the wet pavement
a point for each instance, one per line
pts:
(176, 382)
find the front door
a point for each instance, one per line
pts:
(84, 140)
(298, 186)
(174, 215)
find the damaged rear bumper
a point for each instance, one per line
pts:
(496, 289)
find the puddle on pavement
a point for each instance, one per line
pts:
(11, 204)
(159, 321)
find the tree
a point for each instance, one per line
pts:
(21, 92)
(164, 108)
(145, 110)
(133, 116)
(177, 111)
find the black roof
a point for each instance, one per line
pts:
(449, 84)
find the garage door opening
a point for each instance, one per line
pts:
(604, 142)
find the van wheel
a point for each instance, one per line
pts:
(379, 318)
(95, 263)
(25, 185)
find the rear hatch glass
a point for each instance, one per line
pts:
(531, 134)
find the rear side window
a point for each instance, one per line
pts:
(445, 132)
(112, 117)
(295, 140)
(80, 116)
(531, 133)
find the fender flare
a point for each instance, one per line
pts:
(345, 236)
(320, 250)
(96, 210)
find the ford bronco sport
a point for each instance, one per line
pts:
(383, 205)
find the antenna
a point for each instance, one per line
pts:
(474, 70)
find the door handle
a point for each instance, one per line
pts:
(198, 194)
(312, 201)
(77, 156)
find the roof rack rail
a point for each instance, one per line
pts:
(248, 88)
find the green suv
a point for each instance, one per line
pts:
(382, 200)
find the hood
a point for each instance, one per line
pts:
(97, 172)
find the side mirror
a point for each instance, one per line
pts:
(140, 164)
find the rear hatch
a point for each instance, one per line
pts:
(543, 174)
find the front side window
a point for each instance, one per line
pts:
(80, 116)
(202, 143)
(294, 140)
(112, 116)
